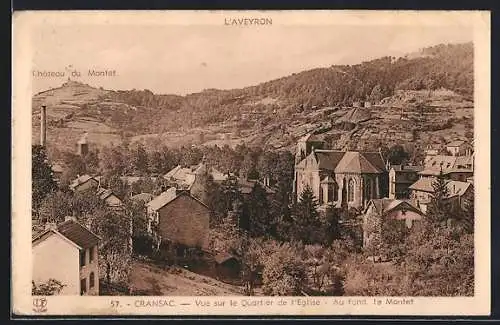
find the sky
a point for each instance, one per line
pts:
(181, 59)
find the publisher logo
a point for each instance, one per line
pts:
(39, 305)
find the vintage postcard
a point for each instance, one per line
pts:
(251, 163)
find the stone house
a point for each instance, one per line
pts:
(67, 252)
(180, 219)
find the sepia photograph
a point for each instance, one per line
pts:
(251, 155)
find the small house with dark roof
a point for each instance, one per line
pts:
(180, 218)
(68, 253)
(84, 182)
(379, 211)
(227, 266)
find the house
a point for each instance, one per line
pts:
(342, 178)
(432, 150)
(246, 187)
(456, 168)
(459, 148)
(180, 218)
(421, 193)
(84, 182)
(379, 211)
(184, 177)
(400, 179)
(67, 252)
(227, 266)
(57, 170)
(109, 198)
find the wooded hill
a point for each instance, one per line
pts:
(138, 112)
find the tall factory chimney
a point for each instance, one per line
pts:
(43, 126)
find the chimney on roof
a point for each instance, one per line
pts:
(43, 126)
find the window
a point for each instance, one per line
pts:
(350, 190)
(82, 257)
(331, 190)
(91, 254)
(369, 189)
(83, 286)
(91, 280)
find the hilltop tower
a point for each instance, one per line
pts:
(43, 126)
(82, 145)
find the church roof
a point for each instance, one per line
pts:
(328, 159)
(356, 162)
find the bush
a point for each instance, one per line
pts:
(49, 288)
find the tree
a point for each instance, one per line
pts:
(140, 160)
(49, 288)
(56, 206)
(307, 225)
(257, 211)
(42, 177)
(397, 155)
(376, 94)
(439, 262)
(331, 225)
(226, 236)
(284, 272)
(114, 229)
(438, 210)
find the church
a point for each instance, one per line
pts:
(339, 178)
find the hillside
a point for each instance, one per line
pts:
(429, 92)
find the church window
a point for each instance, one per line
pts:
(369, 189)
(350, 190)
(331, 191)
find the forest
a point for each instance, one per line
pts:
(442, 66)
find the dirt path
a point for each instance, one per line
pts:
(152, 280)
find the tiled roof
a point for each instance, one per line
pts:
(78, 234)
(355, 162)
(438, 161)
(457, 188)
(454, 187)
(424, 184)
(185, 176)
(80, 180)
(223, 257)
(455, 143)
(144, 197)
(385, 205)
(104, 193)
(328, 159)
(162, 199)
